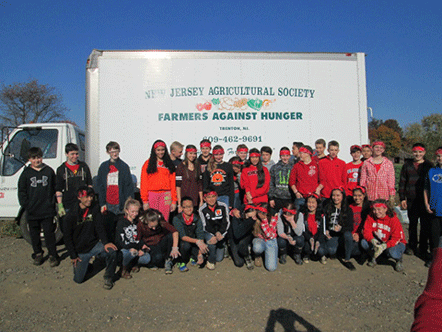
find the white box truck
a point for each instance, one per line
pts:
(273, 99)
(230, 98)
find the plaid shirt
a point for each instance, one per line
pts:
(269, 230)
(379, 184)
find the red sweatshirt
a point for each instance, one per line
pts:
(249, 181)
(305, 177)
(387, 229)
(428, 307)
(331, 174)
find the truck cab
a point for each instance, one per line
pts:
(50, 137)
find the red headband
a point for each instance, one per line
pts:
(340, 188)
(354, 147)
(158, 144)
(254, 154)
(82, 193)
(261, 209)
(289, 211)
(237, 162)
(191, 150)
(305, 150)
(205, 144)
(210, 193)
(366, 146)
(315, 195)
(242, 150)
(218, 151)
(418, 148)
(360, 188)
(378, 143)
(247, 207)
(284, 153)
(378, 205)
(439, 151)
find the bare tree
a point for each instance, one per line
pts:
(30, 102)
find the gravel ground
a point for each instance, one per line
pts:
(312, 297)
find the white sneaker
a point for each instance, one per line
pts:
(210, 266)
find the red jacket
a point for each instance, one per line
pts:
(331, 174)
(249, 181)
(305, 177)
(387, 229)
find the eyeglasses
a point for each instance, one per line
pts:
(187, 207)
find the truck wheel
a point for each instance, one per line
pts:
(24, 227)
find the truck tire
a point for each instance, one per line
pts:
(24, 227)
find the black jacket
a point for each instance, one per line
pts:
(83, 228)
(216, 220)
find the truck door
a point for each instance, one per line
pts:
(14, 158)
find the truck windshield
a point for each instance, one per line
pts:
(15, 154)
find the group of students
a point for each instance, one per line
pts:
(199, 210)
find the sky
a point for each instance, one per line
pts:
(51, 40)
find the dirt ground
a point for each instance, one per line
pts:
(311, 297)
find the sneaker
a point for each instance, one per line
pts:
(53, 261)
(399, 267)
(298, 259)
(38, 259)
(182, 267)
(125, 274)
(193, 262)
(323, 260)
(306, 259)
(135, 269)
(249, 263)
(168, 266)
(210, 266)
(283, 259)
(372, 262)
(409, 251)
(349, 265)
(226, 251)
(258, 261)
(108, 284)
(153, 268)
(428, 263)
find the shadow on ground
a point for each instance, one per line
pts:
(290, 321)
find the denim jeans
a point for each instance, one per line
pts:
(161, 251)
(225, 199)
(188, 250)
(129, 256)
(299, 202)
(395, 252)
(237, 201)
(283, 245)
(216, 251)
(98, 251)
(345, 239)
(270, 250)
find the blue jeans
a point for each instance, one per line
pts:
(270, 250)
(333, 244)
(299, 202)
(97, 251)
(237, 202)
(128, 256)
(395, 252)
(283, 244)
(216, 251)
(225, 199)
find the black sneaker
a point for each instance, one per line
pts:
(399, 267)
(249, 262)
(372, 262)
(409, 251)
(298, 259)
(283, 259)
(53, 261)
(349, 265)
(428, 263)
(38, 259)
(108, 284)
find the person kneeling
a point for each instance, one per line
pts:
(85, 237)
(190, 228)
(383, 233)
